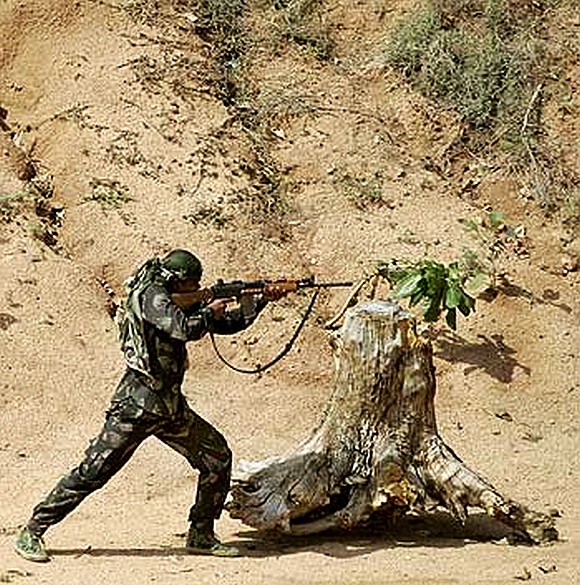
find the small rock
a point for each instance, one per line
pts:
(532, 437)
(11, 574)
(569, 263)
(6, 320)
(504, 416)
(524, 576)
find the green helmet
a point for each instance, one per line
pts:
(182, 264)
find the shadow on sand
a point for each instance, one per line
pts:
(490, 354)
(435, 530)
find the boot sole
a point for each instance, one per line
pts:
(31, 557)
(213, 552)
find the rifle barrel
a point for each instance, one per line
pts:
(310, 283)
(331, 284)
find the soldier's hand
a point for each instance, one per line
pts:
(218, 307)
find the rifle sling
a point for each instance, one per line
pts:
(259, 369)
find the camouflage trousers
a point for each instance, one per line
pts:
(126, 427)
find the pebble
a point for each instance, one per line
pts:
(569, 263)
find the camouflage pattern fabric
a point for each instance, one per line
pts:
(165, 330)
(127, 425)
(148, 402)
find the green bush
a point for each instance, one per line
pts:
(108, 192)
(9, 203)
(300, 21)
(482, 63)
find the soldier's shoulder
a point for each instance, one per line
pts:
(155, 295)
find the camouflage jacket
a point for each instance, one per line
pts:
(154, 383)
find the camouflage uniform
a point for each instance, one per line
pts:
(148, 401)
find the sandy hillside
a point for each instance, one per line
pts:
(115, 108)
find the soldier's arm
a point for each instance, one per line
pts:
(159, 310)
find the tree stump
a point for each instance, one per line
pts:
(377, 448)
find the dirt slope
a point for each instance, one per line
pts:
(95, 94)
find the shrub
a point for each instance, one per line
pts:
(480, 63)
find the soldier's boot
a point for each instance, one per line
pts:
(31, 546)
(202, 540)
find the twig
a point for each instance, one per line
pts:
(311, 105)
(135, 41)
(130, 62)
(349, 301)
(533, 163)
(371, 115)
(530, 106)
(63, 115)
(87, 550)
(3, 115)
(195, 189)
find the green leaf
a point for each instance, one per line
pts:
(479, 281)
(453, 296)
(467, 304)
(433, 311)
(418, 295)
(470, 225)
(451, 319)
(408, 284)
(435, 287)
(496, 219)
(454, 272)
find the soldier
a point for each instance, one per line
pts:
(148, 401)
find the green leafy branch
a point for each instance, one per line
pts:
(109, 193)
(494, 238)
(434, 287)
(437, 288)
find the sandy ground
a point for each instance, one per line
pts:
(72, 78)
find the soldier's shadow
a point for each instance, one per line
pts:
(433, 530)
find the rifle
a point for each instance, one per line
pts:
(238, 288)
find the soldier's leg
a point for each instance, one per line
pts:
(208, 452)
(122, 433)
